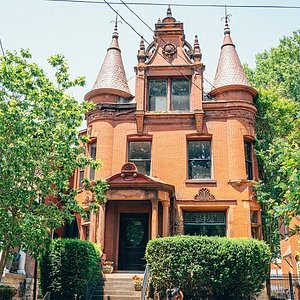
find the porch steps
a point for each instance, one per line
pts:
(116, 286)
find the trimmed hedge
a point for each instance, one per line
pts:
(221, 268)
(67, 266)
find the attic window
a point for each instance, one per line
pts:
(170, 94)
(123, 100)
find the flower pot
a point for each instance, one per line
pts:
(137, 286)
(107, 269)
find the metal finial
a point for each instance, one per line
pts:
(169, 12)
(115, 33)
(227, 19)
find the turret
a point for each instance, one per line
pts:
(111, 83)
(230, 75)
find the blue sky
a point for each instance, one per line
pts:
(82, 32)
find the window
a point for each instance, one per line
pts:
(199, 159)
(205, 223)
(80, 178)
(139, 153)
(255, 227)
(248, 160)
(86, 225)
(93, 150)
(169, 95)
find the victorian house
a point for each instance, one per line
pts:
(177, 160)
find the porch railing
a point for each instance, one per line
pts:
(93, 281)
(145, 283)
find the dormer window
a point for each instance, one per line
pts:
(170, 94)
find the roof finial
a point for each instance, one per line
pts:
(227, 19)
(169, 12)
(197, 51)
(115, 33)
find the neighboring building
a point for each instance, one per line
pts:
(177, 160)
(289, 247)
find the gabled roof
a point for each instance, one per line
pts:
(129, 176)
(111, 78)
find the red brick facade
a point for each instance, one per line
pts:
(197, 147)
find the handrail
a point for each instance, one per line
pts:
(145, 283)
(90, 285)
(47, 296)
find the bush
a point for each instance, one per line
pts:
(7, 292)
(67, 266)
(218, 267)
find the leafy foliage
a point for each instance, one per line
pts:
(39, 151)
(276, 76)
(279, 68)
(67, 266)
(7, 292)
(224, 267)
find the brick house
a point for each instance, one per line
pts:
(177, 160)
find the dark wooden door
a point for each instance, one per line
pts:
(133, 241)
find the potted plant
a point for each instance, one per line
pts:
(108, 267)
(137, 282)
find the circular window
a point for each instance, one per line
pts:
(134, 232)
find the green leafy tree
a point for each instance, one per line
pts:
(276, 76)
(39, 151)
(279, 68)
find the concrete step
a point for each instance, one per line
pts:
(114, 292)
(116, 297)
(116, 286)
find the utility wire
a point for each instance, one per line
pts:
(116, 12)
(2, 49)
(149, 27)
(181, 4)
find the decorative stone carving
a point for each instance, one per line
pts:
(129, 171)
(199, 118)
(139, 117)
(169, 50)
(204, 195)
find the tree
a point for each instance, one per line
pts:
(39, 151)
(279, 68)
(276, 76)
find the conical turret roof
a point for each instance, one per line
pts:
(111, 78)
(229, 70)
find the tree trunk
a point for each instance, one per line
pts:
(3, 260)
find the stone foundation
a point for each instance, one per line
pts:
(14, 280)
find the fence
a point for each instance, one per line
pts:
(285, 287)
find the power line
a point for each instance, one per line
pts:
(2, 49)
(181, 4)
(149, 27)
(116, 12)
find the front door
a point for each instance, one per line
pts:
(133, 241)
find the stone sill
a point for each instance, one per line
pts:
(240, 182)
(201, 181)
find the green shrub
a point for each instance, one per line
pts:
(218, 267)
(7, 292)
(67, 266)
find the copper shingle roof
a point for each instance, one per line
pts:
(112, 77)
(229, 70)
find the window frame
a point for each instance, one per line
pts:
(139, 140)
(169, 101)
(206, 224)
(249, 163)
(93, 156)
(199, 139)
(79, 180)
